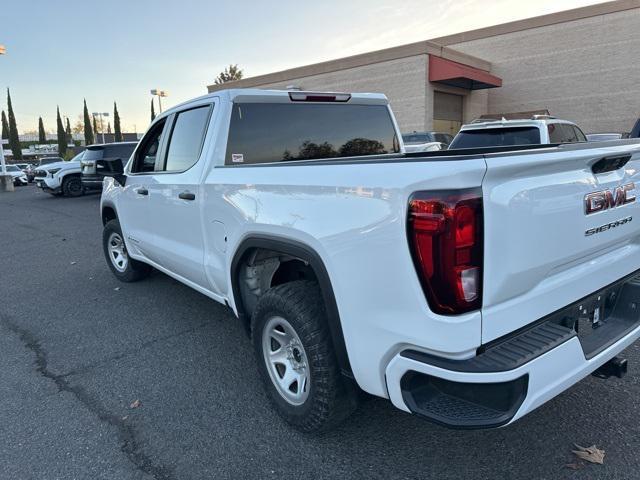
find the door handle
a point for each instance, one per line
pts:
(142, 191)
(187, 196)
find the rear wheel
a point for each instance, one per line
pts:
(123, 267)
(72, 186)
(296, 358)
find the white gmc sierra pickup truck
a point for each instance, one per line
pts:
(467, 286)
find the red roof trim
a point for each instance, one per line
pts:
(460, 75)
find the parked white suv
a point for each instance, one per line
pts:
(61, 178)
(468, 288)
(539, 130)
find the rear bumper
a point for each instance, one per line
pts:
(515, 376)
(92, 182)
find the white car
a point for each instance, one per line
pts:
(19, 177)
(425, 141)
(61, 178)
(468, 288)
(538, 130)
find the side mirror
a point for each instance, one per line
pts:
(112, 168)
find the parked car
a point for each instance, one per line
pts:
(61, 178)
(94, 167)
(426, 141)
(19, 178)
(539, 130)
(468, 290)
(31, 170)
(605, 137)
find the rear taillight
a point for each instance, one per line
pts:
(445, 235)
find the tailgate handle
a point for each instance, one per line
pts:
(611, 163)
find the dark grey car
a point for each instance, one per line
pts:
(94, 167)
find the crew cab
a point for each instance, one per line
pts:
(467, 286)
(537, 130)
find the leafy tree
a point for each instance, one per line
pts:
(310, 149)
(153, 111)
(230, 74)
(5, 126)
(14, 138)
(62, 136)
(116, 123)
(42, 135)
(361, 146)
(88, 131)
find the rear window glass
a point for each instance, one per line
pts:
(276, 132)
(496, 137)
(93, 154)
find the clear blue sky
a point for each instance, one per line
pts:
(59, 52)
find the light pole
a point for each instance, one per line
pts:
(159, 93)
(101, 114)
(6, 181)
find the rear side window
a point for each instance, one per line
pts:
(186, 139)
(277, 132)
(565, 133)
(496, 137)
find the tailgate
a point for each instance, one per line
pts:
(543, 250)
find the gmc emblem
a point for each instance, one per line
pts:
(606, 199)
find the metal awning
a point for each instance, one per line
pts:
(460, 75)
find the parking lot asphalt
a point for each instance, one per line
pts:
(78, 348)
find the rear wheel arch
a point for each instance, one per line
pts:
(301, 256)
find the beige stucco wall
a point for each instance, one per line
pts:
(586, 70)
(403, 80)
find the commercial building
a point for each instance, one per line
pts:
(579, 64)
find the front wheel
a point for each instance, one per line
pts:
(72, 186)
(125, 268)
(296, 358)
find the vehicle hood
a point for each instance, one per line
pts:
(61, 165)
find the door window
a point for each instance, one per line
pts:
(145, 159)
(187, 137)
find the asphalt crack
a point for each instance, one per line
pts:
(130, 444)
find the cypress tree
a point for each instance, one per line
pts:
(68, 131)
(42, 135)
(88, 132)
(108, 127)
(14, 139)
(62, 141)
(153, 111)
(5, 126)
(95, 127)
(116, 123)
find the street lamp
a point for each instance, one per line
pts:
(159, 93)
(101, 114)
(6, 181)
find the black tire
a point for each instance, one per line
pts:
(72, 186)
(330, 399)
(134, 270)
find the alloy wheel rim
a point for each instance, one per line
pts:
(118, 252)
(286, 360)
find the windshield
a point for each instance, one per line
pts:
(78, 157)
(416, 138)
(496, 137)
(12, 168)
